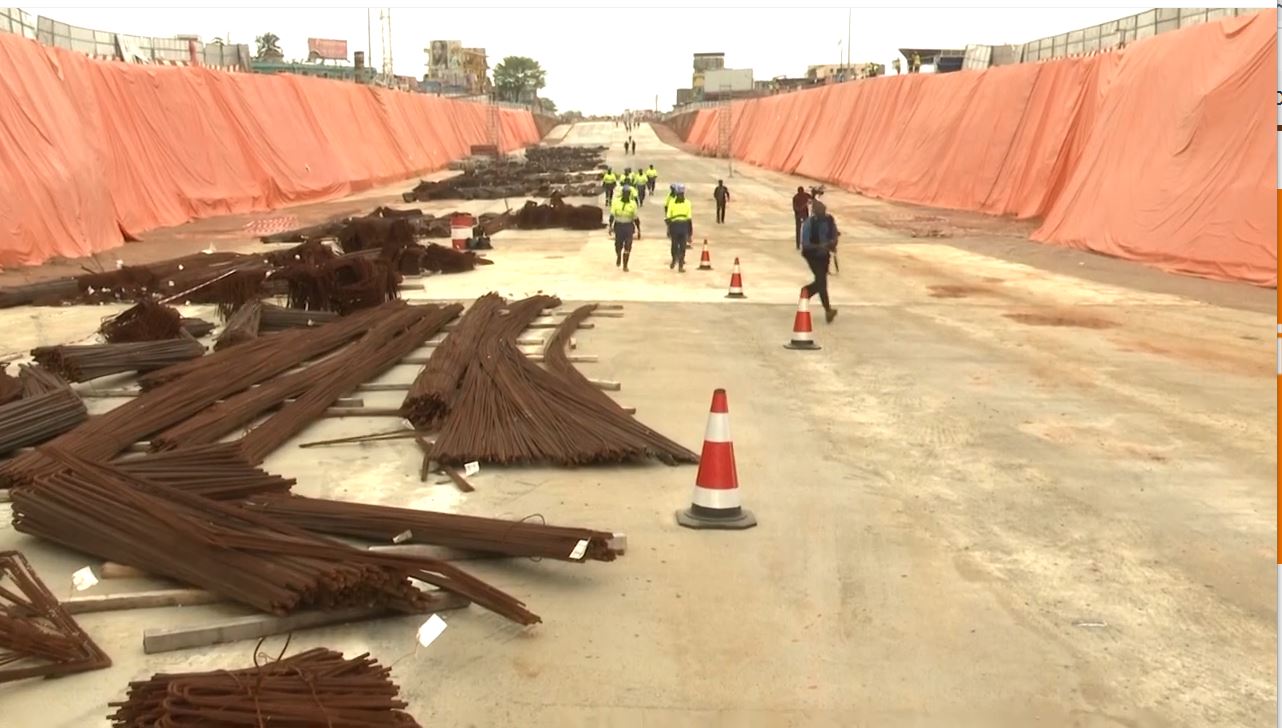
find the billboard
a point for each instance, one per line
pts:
(326, 49)
(445, 54)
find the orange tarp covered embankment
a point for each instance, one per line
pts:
(1159, 153)
(88, 149)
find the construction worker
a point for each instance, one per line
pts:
(916, 63)
(818, 241)
(651, 178)
(608, 181)
(667, 203)
(623, 221)
(800, 210)
(721, 195)
(680, 219)
(639, 182)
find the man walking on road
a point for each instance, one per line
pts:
(624, 220)
(680, 227)
(607, 183)
(651, 177)
(819, 237)
(721, 195)
(800, 210)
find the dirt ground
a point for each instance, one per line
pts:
(1018, 486)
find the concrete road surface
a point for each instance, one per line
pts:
(1018, 486)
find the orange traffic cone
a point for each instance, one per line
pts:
(705, 260)
(801, 329)
(716, 488)
(736, 282)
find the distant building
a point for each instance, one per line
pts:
(318, 70)
(454, 70)
(943, 60)
(837, 73)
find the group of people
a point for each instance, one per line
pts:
(630, 146)
(817, 236)
(625, 220)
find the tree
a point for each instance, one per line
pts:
(548, 106)
(515, 76)
(269, 46)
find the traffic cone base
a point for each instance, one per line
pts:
(715, 503)
(698, 517)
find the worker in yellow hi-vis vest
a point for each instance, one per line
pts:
(624, 220)
(608, 180)
(651, 178)
(680, 219)
(638, 183)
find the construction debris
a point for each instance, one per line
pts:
(314, 688)
(83, 363)
(38, 638)
(570, 171)
(556, 214)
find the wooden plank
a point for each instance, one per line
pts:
(141, 600)
(362, 412)
(606, 384)
(112, 570)
(574, 358)
(264, 625)
(554, 324)
(618, 543)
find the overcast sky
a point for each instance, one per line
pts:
(606, 60)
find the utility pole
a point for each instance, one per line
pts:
(848, 38)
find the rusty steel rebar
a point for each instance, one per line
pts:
(38, 380)
(276, 318)
(187, 389)
(38, 638)
(470, 533)
(146, 320)
(241, 326)
(39, 418)
(318, 688)
(90, 361)
(10, 387)
(247, 557)
(509, 410)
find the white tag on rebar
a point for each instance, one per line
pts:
(119, 264)
(83, 579)
(580, 548)
(471, 468)
(403, 536)
(430, 630)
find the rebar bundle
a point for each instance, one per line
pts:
(38, 380)
(342, 285)
(146, 320)
(394, 336)
(313, 689)
(215, 471)
(39, 418)
(437, 383)
(47, 293)
(102, 510)
(188, 388)
(38, 638)
(83, 363)
(242, 409)
(276, 318)
(470, 533)
(241, 327)
(310, 249)
(10, 387)
(509, 410)
(196, 328)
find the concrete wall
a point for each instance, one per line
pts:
(727, 79)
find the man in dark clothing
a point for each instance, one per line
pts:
(819, 235)
(800, 210)
(721, 194)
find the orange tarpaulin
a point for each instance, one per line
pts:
(1159, 153)
(88, 149)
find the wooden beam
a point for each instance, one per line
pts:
(141, 600)
(606, 384)
(554, 324)
(265, 625)
(362, 412)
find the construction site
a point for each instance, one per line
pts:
(353, 419)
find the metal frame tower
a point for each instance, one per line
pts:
(725, 129)
(385, 32)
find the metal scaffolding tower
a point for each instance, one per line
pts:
(725, 129)
(385, 30)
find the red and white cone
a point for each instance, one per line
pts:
(736, 282)
(802, 331)
(705, 260)
(716, 488)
